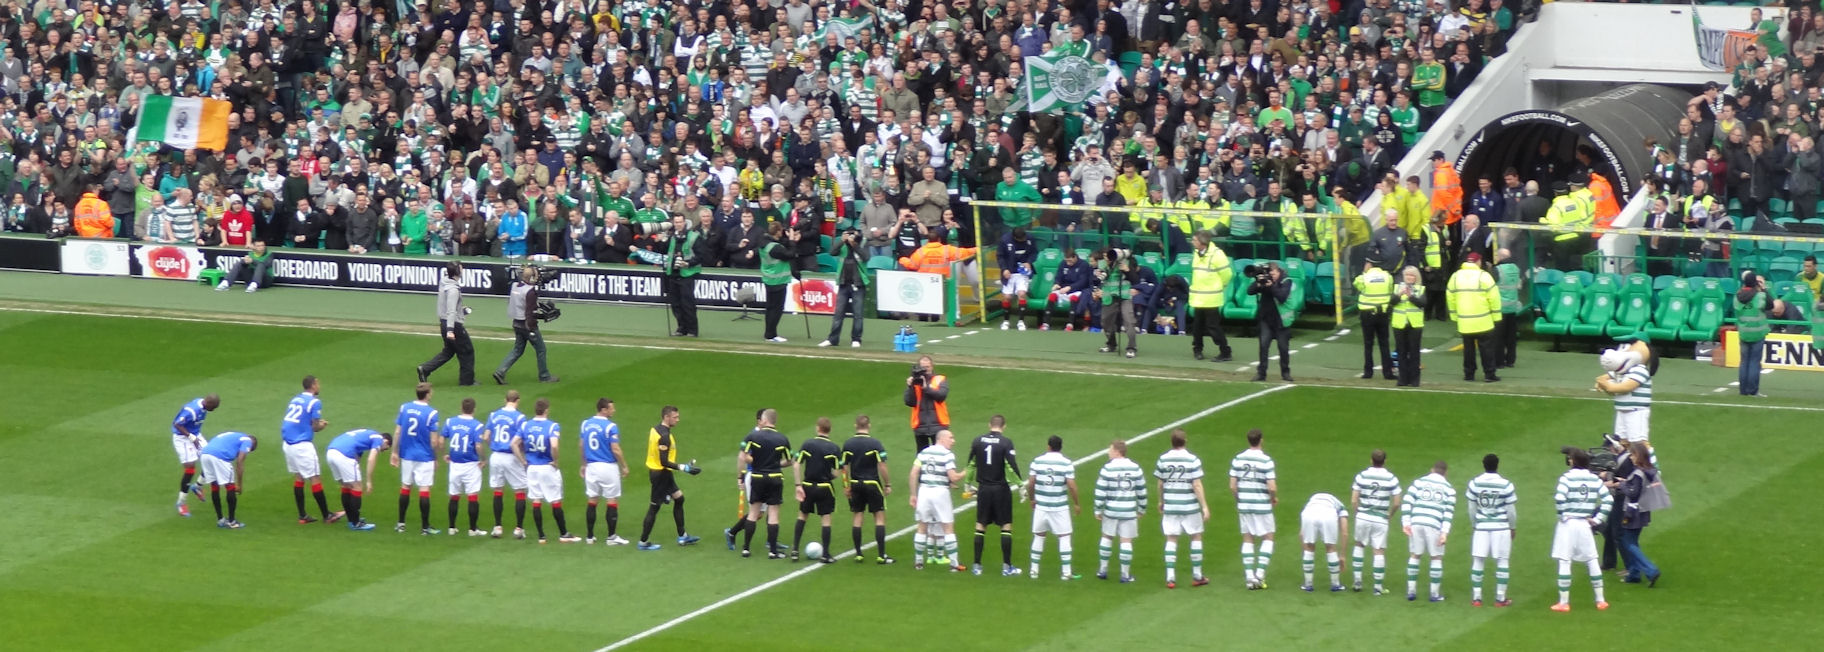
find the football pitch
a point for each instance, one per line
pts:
(93, 556)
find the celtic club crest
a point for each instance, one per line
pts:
(1066, 80)
(911, 291)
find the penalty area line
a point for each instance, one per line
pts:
(759, 588)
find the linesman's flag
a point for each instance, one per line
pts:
(183, 122)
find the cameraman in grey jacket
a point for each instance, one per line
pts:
(522, 306)
(450, 315)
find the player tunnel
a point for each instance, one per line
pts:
(1615, 124)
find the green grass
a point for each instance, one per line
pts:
(95, 559)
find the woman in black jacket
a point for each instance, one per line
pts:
(1634, 518)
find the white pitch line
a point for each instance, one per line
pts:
(1312, 345)
(911, 528)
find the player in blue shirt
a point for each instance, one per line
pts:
(186, 438)
(302, 421)
(224, 460)
(344, 455)
(603, 468)
(463, 437)
(504, 468)
(416, 456)
(538, 450)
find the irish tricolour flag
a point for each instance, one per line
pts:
(183, 122)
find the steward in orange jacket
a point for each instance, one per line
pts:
(935, 257)
(92, 219)
(1606, 206)
(1446, 190)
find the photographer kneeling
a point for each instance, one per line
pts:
(1274, 289)
(524, 309)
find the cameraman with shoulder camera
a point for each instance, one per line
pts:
(926, 393)
(450, 315)
(851, 287)
(1274, 289)
(522, 309)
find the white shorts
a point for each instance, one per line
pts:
(417, 474)
(301, 459)
(217, 471)
(934, 505)
(1424, 542)
(602, 480)
(1015, 285)
(504, 470)
(344, 470)
(1051, 521)
(465, 478)
(1181, 524)
(1120, 528)
(1318, 529)
(186, 448)
(1371, 534)
(1631, 425)
(1491, 543)
(1256, 525)
(1572, 541)
(544, 484)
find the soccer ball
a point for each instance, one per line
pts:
(813, 550)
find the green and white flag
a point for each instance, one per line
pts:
(845, 27)
(183, 122)
(1059, 82)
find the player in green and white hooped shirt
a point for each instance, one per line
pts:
(1582, 503)
(1120, 500)
(1491, 497)
(1323, 520)
(1051, 487)
(1256, 491)
(934, 473)
(1375, 495)
(1425, 516)
(1182, 507)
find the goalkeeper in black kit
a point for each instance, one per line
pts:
(991, 457)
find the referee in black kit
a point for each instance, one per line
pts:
(450, 315)
(818, 458)
(865, 482)
(991, 456)
(763, 454)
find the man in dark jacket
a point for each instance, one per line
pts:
(363, 223)
(118, 188)
(1072, 283)
(851, 287)
(1274, 289)
(1754, 172)
(617, 240)
(305, 229)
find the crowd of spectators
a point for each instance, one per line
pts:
(574, 128)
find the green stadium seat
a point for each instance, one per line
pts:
(883, 262)
(1816, 221)
(1181, 267)
(1154, 261)
(1635, 307)
(1708, 311)
(1797, 250)
(1240, 305)
(1786, 221)
(1660, 283)
(1585, 277)
(1083, 254)
(1672, 313)
(1598, 307)
(1784, 268)
(828, 263)
(1799, 295)
(1561, 313)
(1042, 237)
(1323, 284)
(1544, 280)
(825, 243)
(1044, 274)
(1777, 207)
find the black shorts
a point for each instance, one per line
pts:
(765, 490)
(866, 496)
(663, 486)
(819, 499)
(994, 505)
